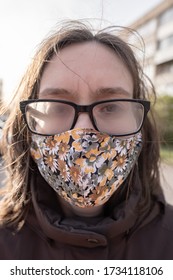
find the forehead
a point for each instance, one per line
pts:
(86, 65)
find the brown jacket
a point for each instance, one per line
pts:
(121, 234)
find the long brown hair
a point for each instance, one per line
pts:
(16, 137)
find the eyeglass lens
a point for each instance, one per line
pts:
(118, 117)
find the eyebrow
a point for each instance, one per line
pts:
(103, 91)
(112, 91)
(55, 91)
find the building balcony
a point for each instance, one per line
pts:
(163, 55)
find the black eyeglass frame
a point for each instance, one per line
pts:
(84, 109)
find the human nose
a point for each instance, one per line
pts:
(83, 121)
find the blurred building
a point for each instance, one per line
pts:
(1, 89)
(156, 28)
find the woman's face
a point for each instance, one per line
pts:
(85, 73)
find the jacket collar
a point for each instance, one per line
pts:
(120, 217)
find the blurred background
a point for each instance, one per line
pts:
(23, 25)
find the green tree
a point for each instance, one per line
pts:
(164, 119)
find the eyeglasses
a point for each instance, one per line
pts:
(119, 117)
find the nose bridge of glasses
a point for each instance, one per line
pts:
(86, 109)
(83, 116)
(83, 108)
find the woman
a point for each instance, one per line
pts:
(83, 155)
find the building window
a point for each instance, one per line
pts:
(163, 68)
(166, 42)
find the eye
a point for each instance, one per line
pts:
(110, 108)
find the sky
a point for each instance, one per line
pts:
(25, 23)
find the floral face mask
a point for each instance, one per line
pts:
(85, 166)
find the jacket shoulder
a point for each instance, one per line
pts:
(7, 242)
(14, 245)
(167, 220)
